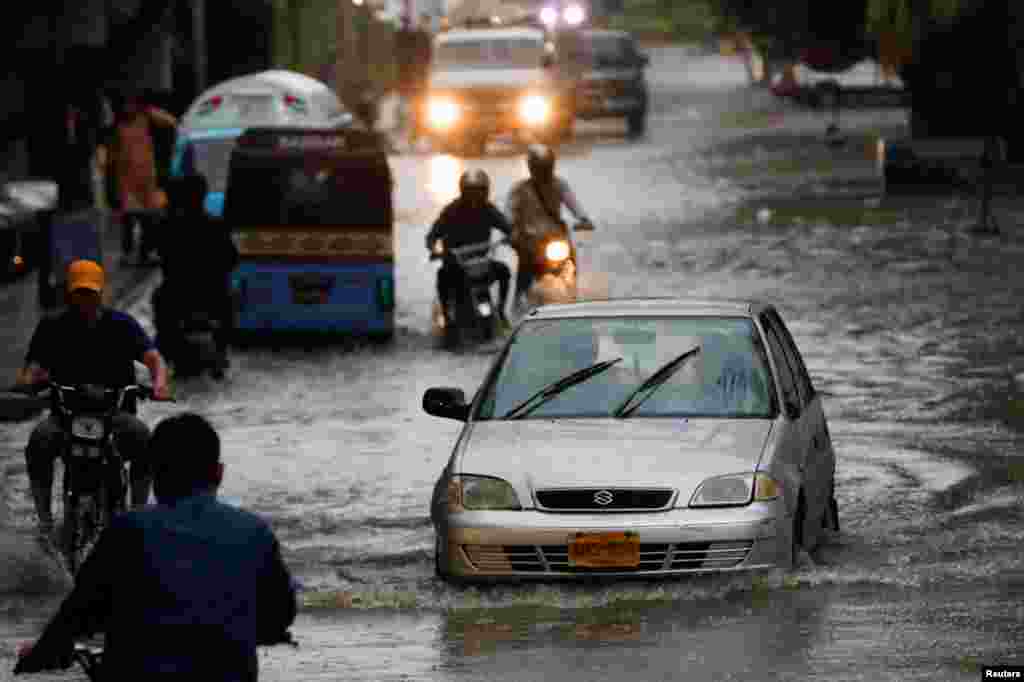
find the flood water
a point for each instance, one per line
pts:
(910, 326)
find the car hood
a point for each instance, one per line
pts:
(679, 453)
(487, 78)
(612, 74)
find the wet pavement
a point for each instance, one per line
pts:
(910, 326)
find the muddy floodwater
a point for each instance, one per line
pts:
(911, 327)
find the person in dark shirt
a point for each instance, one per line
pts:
(88, 344)
(185, 589)
(469, 220)
(197, 257)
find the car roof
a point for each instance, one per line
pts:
(458, 35)
(657, 307)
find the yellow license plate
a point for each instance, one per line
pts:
(605, 550)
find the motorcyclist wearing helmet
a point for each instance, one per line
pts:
(469, 220)
(534, 208)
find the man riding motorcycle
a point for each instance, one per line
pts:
(88, 344)
(534, 207)
(468, 220)
(184, 589)
(197, 257)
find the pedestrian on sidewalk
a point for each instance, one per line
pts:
(133, 161)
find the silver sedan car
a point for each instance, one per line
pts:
(643, 437)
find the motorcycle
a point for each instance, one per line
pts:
(471, 314)
(90, 658)
(95, 481)
(188, 340)
(553, 263)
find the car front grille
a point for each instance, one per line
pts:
(604, 499)
(488, 101)
(685, 556)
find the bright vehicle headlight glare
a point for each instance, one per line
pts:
(442, 113)
(574, 15)
(735, 489)
(483, 493)
(484, 309)
(439, 247)
(557, 251)
(534, 109)
(549, 16)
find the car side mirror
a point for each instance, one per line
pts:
(449, 403)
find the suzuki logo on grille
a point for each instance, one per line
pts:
(603, 497)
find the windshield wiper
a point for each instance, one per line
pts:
(551, 390)
(652, 383)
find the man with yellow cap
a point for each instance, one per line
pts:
(89, 344)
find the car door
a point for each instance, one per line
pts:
(822, 455)
(817, 463)
(794, 444)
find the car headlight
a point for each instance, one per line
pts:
(534, 109)
(574, 15)
(557, 251)
(478, 493)
(442, 112)
(735, 490)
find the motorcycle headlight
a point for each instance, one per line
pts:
(557, 251)
(442, 112)
(89, 428)
(535, 109)
(478, 493)
(735, 490)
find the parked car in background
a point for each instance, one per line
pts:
(864, 82)
(21, 204)
(636, 438)
(613, 82)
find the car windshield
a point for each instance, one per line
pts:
(729, 377)
(608, 50)
(498, 53)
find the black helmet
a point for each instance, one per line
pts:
(540, 160)
(475, 179)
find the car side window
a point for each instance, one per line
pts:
(803, 378)
(786, 382)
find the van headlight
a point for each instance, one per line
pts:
(479, 493)
(442, 112)
(535, 109)
(735, 490)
